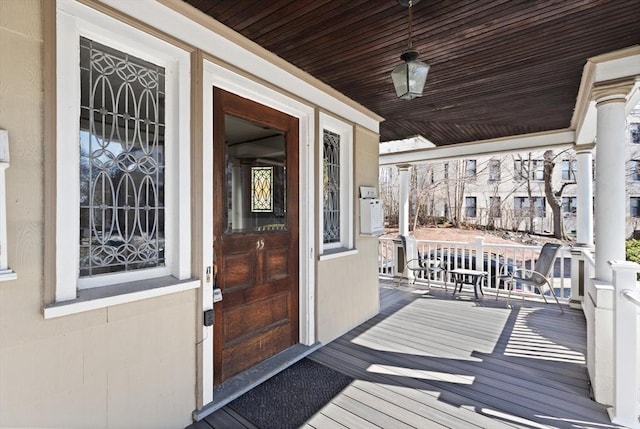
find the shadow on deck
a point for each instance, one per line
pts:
(427, 361)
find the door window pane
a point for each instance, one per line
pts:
(256, 177)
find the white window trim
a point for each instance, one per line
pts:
(5, 272)
(345, 131)
(72, 21)
(214, 75)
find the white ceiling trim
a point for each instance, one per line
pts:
(528, 142)
(411, 143)
(183, 28)
(621, 64)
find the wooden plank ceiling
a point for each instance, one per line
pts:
(498, 67)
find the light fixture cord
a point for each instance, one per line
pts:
(410, 26)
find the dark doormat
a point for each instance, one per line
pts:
(290, 398)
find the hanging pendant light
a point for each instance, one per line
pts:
(410, 76)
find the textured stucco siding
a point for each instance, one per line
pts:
(131, 365)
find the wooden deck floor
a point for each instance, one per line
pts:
(430, 361)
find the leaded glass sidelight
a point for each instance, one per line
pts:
(331, 187)
(122, 167)
(261, 189)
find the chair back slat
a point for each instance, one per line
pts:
(410, 247)
(547, 257)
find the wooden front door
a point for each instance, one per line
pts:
(256, 232)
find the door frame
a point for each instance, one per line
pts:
(215, 75)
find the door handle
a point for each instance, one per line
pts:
(260, 244)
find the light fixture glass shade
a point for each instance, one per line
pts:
(409, 77)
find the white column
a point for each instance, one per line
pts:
(610, 176)
(584, 221)
(584, 191)
(403, 202)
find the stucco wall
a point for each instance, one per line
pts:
(126, 366)
(347, 288)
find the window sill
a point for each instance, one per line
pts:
(7, 275)
(337, 253)
(122, 293)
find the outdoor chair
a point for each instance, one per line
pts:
(536, 278)
(417, 263)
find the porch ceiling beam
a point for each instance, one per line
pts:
(559, 139)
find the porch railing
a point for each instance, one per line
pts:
(626, 358)
(464, 255)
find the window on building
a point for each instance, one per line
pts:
(470, 206)
(122, 168)
(522, 206)
(537, 167)
(337, 185)
(634, 207)
(470, 168)
(569, 204)
(526, 169)
(634, 170)
(634, 132)
(569, 167)
(129, 219)
(494, 170)
(495, 207)
(331, 187)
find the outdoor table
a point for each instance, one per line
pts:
(463, 276)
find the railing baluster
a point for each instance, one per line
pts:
(460, 255)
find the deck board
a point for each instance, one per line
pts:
(430, 360)
(338, 411)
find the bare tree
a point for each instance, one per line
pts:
(554, 198)
(388, 188)
(525, 171)
(422, 192)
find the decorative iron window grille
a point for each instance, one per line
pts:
(261, 189)
(122, 166)
(331, 187)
